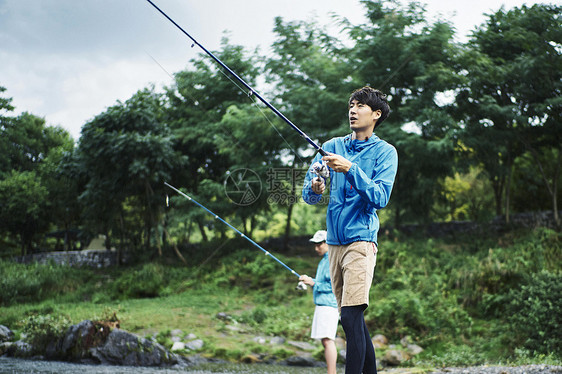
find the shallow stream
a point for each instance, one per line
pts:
(11, 366)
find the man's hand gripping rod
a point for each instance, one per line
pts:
(251, 90)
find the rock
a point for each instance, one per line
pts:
(414, 349)
(395, 357)
(379, 341)
(124, 348)
(4, 347)
(405, 341)
(277, 340)
(20, 349)
(178, 346)
(76, 342)
(6, 335)
(340, 343)
(259, 340)
(176, 332)
(194, 345)
(302, 345)
(224, 317)
(304, 361)
(234, 328)
(190, 336)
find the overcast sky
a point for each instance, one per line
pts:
(69, 60)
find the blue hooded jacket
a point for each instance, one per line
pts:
(356, 195)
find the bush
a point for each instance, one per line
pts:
(23, 283)
(42, 330)
(535, 314)
(147, 281)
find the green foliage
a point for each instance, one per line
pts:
(32, 283)
(123, 157)
(453, 355)
(504, 120)
(42, 330)
(164, 338)
(477, 300)
(146, 281)
(485, 279)
(467, 197)
(507, 105)
(282, 353)
(23, 206)
(535, 314)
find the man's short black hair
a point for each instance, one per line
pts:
(375, 99)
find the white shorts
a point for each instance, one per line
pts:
(325, 322)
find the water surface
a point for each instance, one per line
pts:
(12, 365)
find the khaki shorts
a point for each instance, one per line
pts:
(351, 268)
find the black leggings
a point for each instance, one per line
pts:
(360, 356)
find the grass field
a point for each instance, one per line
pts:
(458, 298)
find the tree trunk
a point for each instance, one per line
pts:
(202, 229)
(555, 189)
(176, 249)
(551, 188)
(497, 185)
(507, 189)
(122, 243)
(290, 201)
(288, 226)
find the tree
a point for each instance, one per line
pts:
(5, 123)
(30, 150)
(217, 131)
(534, 36)
(125, 154)
(512, 97)
(22, 207)
(415, 63)
(27, 141)
(309, 69)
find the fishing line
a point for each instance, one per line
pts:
(241, 89)
(251, 91)
(251, 97)
(195, 101)
(267, 253)
(157, 63)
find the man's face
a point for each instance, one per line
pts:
(361, 116)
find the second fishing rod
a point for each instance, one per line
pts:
(267, 253)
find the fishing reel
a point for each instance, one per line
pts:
(301, 286)
(321, 170)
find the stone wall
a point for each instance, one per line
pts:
(97, 258)
(439, 229)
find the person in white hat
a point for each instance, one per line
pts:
(326, 315)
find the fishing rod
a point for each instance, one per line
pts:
(251, 90)
(267, 253)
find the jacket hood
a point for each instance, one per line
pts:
(355, 145)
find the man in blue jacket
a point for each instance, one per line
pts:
(326, 316)
(362, 168)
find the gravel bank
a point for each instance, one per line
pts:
(528, 369)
